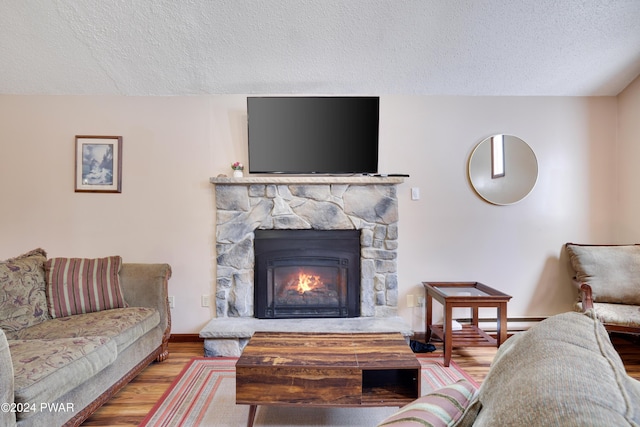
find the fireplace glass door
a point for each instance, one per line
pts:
(307, 287)
(304, 278)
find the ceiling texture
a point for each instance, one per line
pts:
(377, 47)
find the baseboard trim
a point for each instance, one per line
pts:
(509, 319)
(185, 338)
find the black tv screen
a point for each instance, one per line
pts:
(313, 135)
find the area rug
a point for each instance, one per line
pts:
(204, 395)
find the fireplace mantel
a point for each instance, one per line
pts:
(308, 180)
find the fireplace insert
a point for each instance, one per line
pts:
(306, 273)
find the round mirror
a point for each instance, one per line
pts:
(503, 169)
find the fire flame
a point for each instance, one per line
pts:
(308, 282)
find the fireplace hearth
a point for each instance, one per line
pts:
(307, 273)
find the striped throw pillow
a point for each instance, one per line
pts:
(81, 285)
(440, 408)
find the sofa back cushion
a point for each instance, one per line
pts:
(22, 291)
(562, 371)
(612, 271)
(81, 285)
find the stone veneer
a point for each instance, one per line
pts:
(368, 204)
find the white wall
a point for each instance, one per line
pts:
(172, 145)
(164, 213)
(451, 234)
(628, 212)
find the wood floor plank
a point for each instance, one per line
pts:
(131, 404)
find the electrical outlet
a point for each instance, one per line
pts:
(410, 301)
(172, 302)
(205, 300)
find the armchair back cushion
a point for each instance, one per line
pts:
(612, 271)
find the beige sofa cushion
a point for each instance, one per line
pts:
(22, 291)
(7, 418)
(45, 370)
(612, 271)
(563, 371)
(123, 325)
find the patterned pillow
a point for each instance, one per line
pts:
(440, 408)
(22, 291)
(81, 285)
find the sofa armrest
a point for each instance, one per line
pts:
(146, 285)
(7, 418)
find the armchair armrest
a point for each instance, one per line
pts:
(586, 296)
(146, 285)
(7, 418)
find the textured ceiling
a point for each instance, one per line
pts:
(429, 47)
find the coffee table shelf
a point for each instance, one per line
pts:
(389, 385)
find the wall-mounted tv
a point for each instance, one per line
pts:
(313, 135)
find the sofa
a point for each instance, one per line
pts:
(73, 332)
(563, 371)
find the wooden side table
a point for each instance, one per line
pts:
(464, 294)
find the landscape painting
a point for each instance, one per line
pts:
(98, 164)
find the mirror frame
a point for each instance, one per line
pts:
(503, 169)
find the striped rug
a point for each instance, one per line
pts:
(204, 395)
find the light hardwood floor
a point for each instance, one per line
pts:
(131, 404)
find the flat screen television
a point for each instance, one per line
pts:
(313, 135)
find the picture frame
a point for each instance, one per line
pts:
(98, 164)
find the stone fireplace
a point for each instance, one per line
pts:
(252, 206)
(367, 204)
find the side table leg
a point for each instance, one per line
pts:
(252, 415)
(427, 318)
(502, 323)
(448, 333)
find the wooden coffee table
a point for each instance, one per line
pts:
(464, 294)
(322, 369)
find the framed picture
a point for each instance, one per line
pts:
(98, 164)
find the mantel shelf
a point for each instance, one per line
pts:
(308, 180)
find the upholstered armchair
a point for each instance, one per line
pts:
(608, 280)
